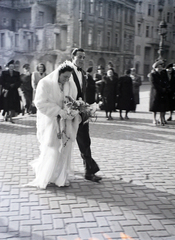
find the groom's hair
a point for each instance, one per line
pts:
(75, 50)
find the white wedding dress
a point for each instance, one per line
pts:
(54, 162)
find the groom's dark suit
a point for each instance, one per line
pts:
(83, 138)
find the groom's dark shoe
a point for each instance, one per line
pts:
(92, 177)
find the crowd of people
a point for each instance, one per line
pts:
(17, 91)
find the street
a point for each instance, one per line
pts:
(134, 201)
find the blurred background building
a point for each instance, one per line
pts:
(123, 32)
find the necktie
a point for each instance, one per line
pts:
(79, 69)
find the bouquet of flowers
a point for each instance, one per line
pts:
(86, 110)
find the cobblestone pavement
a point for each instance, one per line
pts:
(134, 201)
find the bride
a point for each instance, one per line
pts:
(56, 128)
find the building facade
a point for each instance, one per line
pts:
(34, 31)
(149, 14)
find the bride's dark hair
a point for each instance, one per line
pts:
(65, 67)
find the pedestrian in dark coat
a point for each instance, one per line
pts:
(126, 98)
(10, 84)
(1, 99)
(136, 83)
(109, 93)
(90, 86)
(158, 92)
(171, 78)
(26, 88)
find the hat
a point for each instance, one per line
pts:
(89, 70)
(170, 65)
(159, 62)
(100, 67)
(11, 62)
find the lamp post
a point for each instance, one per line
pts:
(162, 31)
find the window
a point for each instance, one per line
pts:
(173, 37)
(138, 50)
(109, 10)
(126, 15)
(99, 38)
(152, 32)
(151, 10)
(139, 29)
(90, 37)
(169, 17)
(109, 39)
(100, 9)
(130, 43)
(116, 40)
(147, 31)
(131, 17)
(91, 6)
(41, 19)
(2, 40)
(147, 53)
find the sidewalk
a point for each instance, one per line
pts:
(134, 201)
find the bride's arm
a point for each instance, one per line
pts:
(43, 103)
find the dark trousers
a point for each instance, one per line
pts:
(84, 142)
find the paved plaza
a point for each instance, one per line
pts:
(134, 201)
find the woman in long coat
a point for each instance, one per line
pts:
(136, 83)
(158, 92)
(10, 83)
(171, 78)
(126, 98)
(109, 93)
(26, 88)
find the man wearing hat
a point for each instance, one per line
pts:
(171, 78)
(10, 84)
(98, 81)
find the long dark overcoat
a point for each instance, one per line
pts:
(109, 93)
(136, 82)
(172, 91)
(159, 100)
(10, 85)
(126, 98)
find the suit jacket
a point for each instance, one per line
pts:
(81, 91)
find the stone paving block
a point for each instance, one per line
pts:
(42, 227)
(170, 229)
(58, 223)
(24, 210)
(55, 233)
(99, 230)
(71, 228)
(74, 220)
(86, 225)
(30, 222)
(76, 213)
(144, 236)
(25, 231)
(37, 236)
(13, 226)
(142, 219)
(54, 205)
(84, 233)
(65, 209)
(35, 214)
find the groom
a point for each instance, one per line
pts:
(83, 138)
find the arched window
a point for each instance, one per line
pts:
(100, 9)
(90, 37)
(91, 6)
